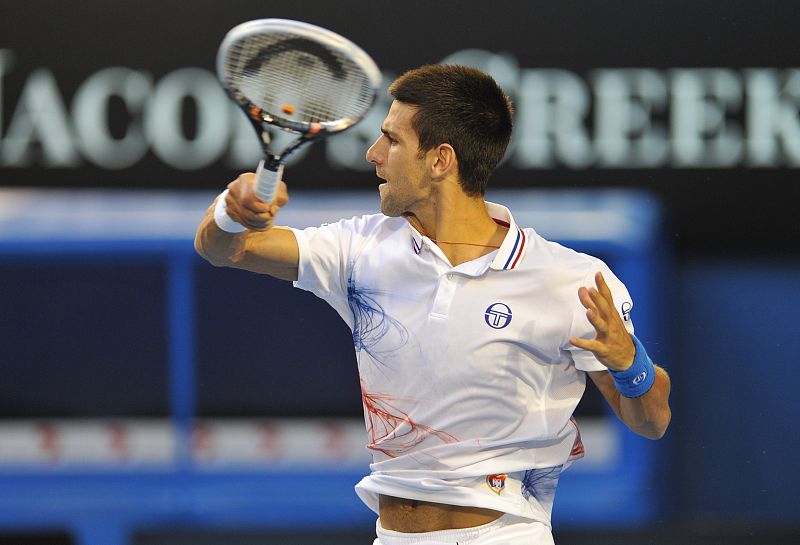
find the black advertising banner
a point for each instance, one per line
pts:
(695, 102)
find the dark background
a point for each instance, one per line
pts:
(721, 211)
(731, 236)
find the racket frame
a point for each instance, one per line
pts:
(270, 169)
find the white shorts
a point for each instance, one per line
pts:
(507, 530)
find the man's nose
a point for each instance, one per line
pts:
(372, 153)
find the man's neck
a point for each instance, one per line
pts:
(460, 225)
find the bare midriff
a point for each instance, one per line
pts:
(414, 516)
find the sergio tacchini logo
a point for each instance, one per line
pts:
(497, 316)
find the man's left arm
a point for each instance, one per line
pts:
(646, 413)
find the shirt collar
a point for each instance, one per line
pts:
(514, 244)
(511, 250)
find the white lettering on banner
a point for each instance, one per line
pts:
(164, 123)
(90, 112)
(40, 118)
(625, 133)
(702, 135)
(551, 109)
(610, 118)
(6, 60)
(771, 117)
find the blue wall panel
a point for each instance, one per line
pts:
(737, 392)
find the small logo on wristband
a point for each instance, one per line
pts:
(626, 311)
(640, 378)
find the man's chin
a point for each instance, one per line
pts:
(387, 209)
(389, 212)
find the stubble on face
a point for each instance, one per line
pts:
(404, 194)
(403, 168)
(392, 205)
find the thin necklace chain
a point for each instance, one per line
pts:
(464, 243)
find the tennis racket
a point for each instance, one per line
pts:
(296, 77)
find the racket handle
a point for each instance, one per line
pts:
(267, 182)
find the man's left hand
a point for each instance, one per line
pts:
(612, 345)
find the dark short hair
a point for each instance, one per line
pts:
(463, 107)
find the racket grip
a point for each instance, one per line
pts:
(267, 182)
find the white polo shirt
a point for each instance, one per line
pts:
(468, 378)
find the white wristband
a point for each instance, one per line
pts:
(223, 220)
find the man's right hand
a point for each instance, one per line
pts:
(248, 210)
(261, 248)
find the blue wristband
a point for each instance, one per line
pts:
(636, 380)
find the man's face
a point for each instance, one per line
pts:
(397, 161)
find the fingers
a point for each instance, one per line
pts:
(245, 208)
(282, 195)
(600, 281)
(594, 311)
(601, 296)
(603, 288)
(585, 344)
(598, 301)
(612, 344)
(586, 298)
(598, 323)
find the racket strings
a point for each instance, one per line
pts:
(298, 85)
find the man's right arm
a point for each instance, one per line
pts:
(262, 248)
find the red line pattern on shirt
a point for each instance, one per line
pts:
(385, 419)
(578, 450)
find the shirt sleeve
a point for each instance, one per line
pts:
(582, 328)
(326, 257)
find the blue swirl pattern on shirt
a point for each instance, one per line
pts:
(540, 484)
(371, 324)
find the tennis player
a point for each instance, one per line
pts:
(473, 335)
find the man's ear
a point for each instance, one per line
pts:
(445, 161)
